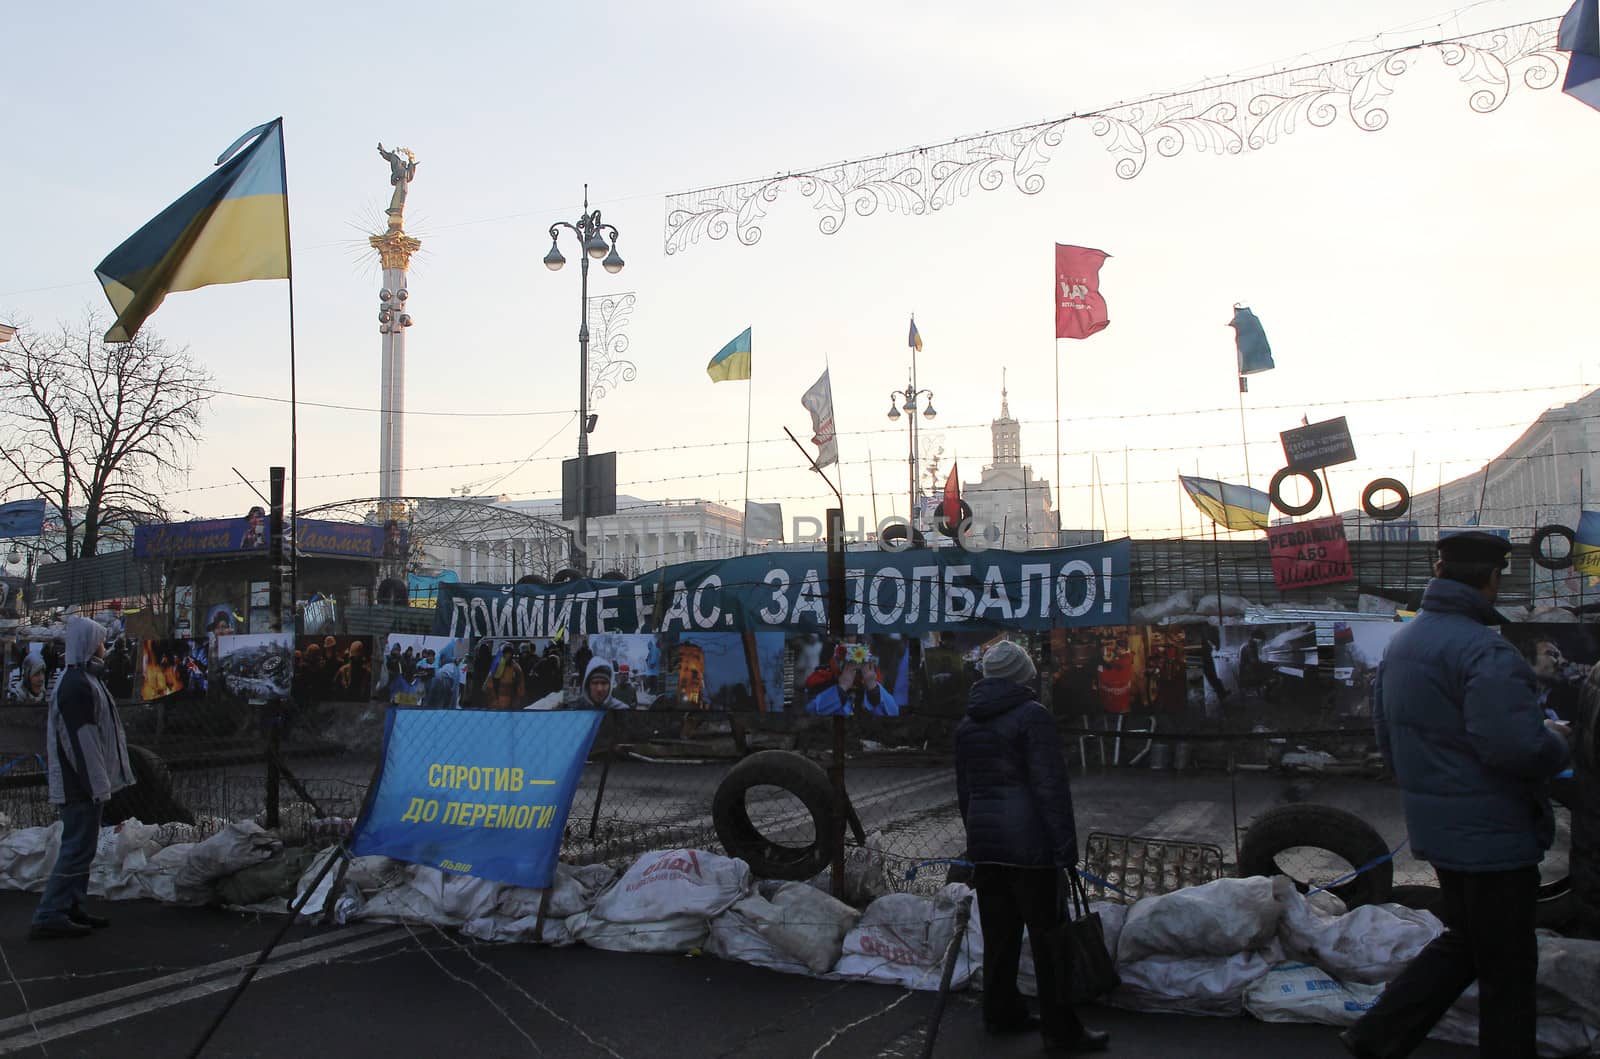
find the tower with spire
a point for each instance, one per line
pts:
(1008, 500)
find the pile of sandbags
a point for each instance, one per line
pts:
(786, 926)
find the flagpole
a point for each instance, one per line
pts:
(749, 401)
(294, 426)
(1244, 442)
(1060, 516)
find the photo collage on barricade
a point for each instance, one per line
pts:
(416, 670)
(1561, 656)
(332, 668)
(173, 670)
(258, 667)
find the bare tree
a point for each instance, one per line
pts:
(95, 427)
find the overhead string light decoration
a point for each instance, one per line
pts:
(1226, 119)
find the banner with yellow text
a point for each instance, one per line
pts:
(477, 792)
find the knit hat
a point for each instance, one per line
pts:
(1007, 661)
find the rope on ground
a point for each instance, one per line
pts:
(475, 988)
(863, 1020)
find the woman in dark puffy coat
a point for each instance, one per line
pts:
(1011, 782)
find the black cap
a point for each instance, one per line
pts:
(1474, 546)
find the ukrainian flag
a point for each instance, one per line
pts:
(733, 362)
(914, 339)
(1236, 507)
(231, 227)
(1586, 544)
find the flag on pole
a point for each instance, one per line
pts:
(914, 339)
(819, 402)
(1236, 507)
(1580, 36)
(1586, 544)
(231, 227)
(1080, 310)
(951, 508)
(1250, 339)
(733, 361)
(22, 518)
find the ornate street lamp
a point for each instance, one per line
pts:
(906, 399)
(592, 236)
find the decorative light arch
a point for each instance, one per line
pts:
(1227, 119)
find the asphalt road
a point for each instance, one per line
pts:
(152, 983)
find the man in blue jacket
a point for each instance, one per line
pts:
(1457, 717)
(1011, 785)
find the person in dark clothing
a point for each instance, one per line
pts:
(1457, 718)
(1011, 787)
(87, 762)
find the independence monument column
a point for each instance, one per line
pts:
(395, 248)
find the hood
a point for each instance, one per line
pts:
(992, 696)
(1443, 596)
(598, 665)
(84, 636)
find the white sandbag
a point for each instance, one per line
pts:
(233, 849)
(672, 934)
(736, 935)
(1220, 918)
(1369, 944)
(866, 873)
(1569, 977)
(26, 856)
(376, 872)
(1112, 914)
(1299, 992)
(121, 855)
(902, 940)
(1192, 985)
(804, 924)
(526, 929)
(515, 916)
(577, 887)
(159, 877)
(674, 883)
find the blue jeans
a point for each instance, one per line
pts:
(68, 884)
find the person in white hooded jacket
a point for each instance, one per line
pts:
(597, 680)
(87, 755)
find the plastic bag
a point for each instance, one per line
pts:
(1193, 985)
(1220, 918)
(1372, 943)
(1299, 992)
(27, 855)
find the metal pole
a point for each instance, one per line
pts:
(580, 540)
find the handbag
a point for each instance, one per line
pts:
(1084, 968)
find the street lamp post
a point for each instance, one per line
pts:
(907, 399)
(591, 235)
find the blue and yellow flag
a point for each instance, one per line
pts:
(231, 227)
(1586, 545)
(733, 361)
(914, 339)
(1235, 507)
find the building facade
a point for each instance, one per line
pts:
(1014, 509)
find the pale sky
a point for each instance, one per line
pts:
(1451, 251)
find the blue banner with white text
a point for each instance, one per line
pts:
(913, 591)
(477, 792)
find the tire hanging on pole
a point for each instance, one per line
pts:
(1390, 512)
(1552, 562)
(1275, 492)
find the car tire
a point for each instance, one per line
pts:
(730, 814)
(1320, 827)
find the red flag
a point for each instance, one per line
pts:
(1080, 311)
(952, 498)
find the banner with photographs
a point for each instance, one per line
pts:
(1358, 647)
(32, 669)
(332, 668)
(258, 667)
(421, 671)
(713, 671)
(172, 669)
(1120, 669)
